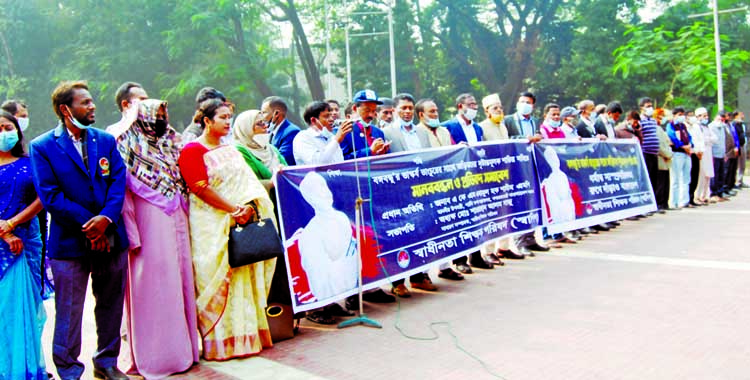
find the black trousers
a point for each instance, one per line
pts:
(652, 166)
(717, 182)
(661, 191)
(695, 169)
(108, 272)
(731, 174)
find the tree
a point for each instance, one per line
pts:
(684, 56)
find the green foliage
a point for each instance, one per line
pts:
(684, 60)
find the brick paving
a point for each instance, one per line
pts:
(661, 298)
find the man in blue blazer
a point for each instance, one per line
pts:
(365, 139)
(80, 178)
(282, 131)
(463, 129)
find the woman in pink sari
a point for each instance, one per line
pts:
(160, 295)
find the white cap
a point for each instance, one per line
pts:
(490, 100)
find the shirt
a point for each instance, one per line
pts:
(650, 143)
(410, 137)
(469, 132)
(311, 147)
(78, 143)
(527, 126)
(438, 136)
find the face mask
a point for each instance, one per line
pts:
(432, 123)
(679, 119)
(470, 113)
(648, 111)
(75, 121)
(524, 108)
(693, 120)
(262, 139)
(272, 125)
(553, 124)
(160, 127)
(704, 121)
(8, 140)
(496, 118)
(23, 123)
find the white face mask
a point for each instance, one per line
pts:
(432, 123)
(648, 111)
(470, 113)
(75, 121)
(23, 123)
(262, 139)
(524, 108)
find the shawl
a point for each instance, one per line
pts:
(149, 158)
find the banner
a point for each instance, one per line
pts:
(592, 182)
(420, 209)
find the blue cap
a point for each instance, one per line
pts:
(366, 96)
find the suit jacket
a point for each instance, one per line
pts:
(73, 194)
(457, 132)
(283, 138)
(359, 147)
(398, 142)
(584, 131)
(513, 125)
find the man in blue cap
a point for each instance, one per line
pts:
(366, 139)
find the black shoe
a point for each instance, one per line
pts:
(600, 227)
(337, 311)
(615, 223)
(378, 296)
(450, 274)
(480, 263)
(109, 373)
(352, 302)
(661, 211)
(509, 254)
(611, 225)
(464, 268)
(493, 259)
(320, 316)
(537, 247)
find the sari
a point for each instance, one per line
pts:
(21, 305)
(231, 301)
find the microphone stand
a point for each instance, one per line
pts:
(361, 318)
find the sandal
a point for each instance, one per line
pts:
(336, 310)
(322, 317)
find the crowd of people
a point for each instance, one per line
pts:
(145, 211)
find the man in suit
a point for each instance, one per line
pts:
(365, 139)
(463, 129)
(404, 136)
(523, 125)
(282, 131)
(80, 178)
(605, 123)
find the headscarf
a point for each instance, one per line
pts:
(149, 158)
(244, 134)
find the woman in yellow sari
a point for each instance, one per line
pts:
(224, 191)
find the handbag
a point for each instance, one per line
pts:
(253, 242)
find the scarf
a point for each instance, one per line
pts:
(244, 135)
(149, 158)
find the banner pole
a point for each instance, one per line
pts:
(362, 317)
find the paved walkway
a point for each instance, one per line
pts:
(662, 298)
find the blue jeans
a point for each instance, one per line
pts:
(679, 179)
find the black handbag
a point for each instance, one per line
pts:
(254, 242)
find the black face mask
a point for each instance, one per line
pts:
(160, 127)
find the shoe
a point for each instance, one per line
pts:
(378, 296)
(352, 302)
(537, 247)
(661, 211)
(525, 252)
(632, 219)
(509, 254)
(480, 263)
(723, 199)
(690, 205)
(600, 228)
(493, 259)
(450, 274)
(565, 240)
(674, 209)
(589, 230)
(337, 311)
(611, 225)
(321, 316)
(615, 223)
(109, 373)
(464, 268)
(401, 291)
(425, 284)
